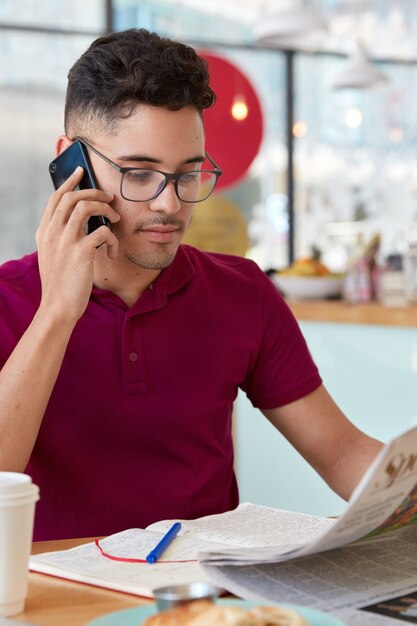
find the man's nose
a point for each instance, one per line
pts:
(167, 201)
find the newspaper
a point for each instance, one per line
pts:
(363, 567)
(247, 526)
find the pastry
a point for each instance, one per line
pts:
(205, 613)
(277, 616)
(182, 614)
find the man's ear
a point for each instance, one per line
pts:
(63, 142)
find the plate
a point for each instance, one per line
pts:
(309, 287)
(135, 617)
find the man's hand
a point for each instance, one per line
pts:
(66, 253)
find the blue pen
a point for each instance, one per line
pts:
(154, 554)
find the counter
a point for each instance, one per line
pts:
(344, 312)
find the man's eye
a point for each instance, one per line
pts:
(140, 176)
(190, 177)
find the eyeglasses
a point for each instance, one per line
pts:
(141, 185)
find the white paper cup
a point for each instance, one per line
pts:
(18, 496)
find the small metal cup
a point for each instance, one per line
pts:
(174, 595)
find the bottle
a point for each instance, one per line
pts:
(410, 273)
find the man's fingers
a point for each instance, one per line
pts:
(70, 184)
(70, 217)
(100, 236)
(74, 204)
(86, 209)
(63, 201)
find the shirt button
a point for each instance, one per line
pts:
(133, 356)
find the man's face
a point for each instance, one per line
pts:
(150, 232)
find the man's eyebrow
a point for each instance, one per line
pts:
(149, 159)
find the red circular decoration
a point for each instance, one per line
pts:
(232, 143)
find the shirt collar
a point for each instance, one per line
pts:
(169, 281)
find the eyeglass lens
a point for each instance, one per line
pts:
(142, 185)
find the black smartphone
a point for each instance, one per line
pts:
(64, 165)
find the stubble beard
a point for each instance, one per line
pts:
(155, 260)
(163, 253)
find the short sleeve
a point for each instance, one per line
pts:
(284, 370)
(20, 294)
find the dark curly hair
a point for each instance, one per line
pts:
(123, 69)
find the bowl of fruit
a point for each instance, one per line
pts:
(308, 279)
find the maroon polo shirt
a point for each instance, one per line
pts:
(138, 427)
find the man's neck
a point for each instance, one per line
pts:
(127, 280)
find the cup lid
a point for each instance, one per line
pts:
(14, 483)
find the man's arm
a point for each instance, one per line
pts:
(26, 383)
(66, 260)
(324, 436)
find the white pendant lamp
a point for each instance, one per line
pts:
(360, 72)
(293, 19)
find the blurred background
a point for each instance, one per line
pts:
(310, 162)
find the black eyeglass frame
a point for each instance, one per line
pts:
(168, 177)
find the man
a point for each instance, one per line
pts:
(122, 350)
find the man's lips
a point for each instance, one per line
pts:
(161, 233)
(161, 229)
